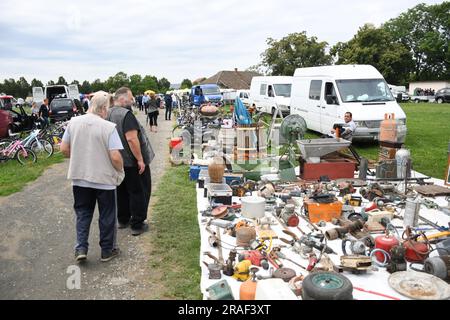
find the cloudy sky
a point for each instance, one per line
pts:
(173, 39)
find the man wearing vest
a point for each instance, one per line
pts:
(96, 169)
(133, 195)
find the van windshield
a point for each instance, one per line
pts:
(283, 90)
(364, 90)
(211, 90)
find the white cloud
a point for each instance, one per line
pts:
(189, 39)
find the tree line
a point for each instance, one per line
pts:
(137, 83)
(412, 47)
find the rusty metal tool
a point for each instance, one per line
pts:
(281, 255)
(309, 241)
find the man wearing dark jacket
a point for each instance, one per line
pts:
(133, 194)
(44, 113)
(168, 101)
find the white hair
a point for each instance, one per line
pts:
(100, 101)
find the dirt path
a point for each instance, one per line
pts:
(37, 236)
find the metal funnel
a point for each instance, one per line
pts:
(319, 147)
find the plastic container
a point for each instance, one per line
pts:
(274, 289)
(253, 207)
(391, 130)
(402, 156)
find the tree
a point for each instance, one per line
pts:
(163, 85)
(295, 50)
(86, 87)
(376, 47)
(62, 81)
(425, 31)
(36, 83)
(258, 68)
(51, 83)
(150, 83)
(120, 79)
(97, 85)
(23, 88)
(186, 84)
(136, 84)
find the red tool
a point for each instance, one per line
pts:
(255, 257)
(385, 242)
(311, 262)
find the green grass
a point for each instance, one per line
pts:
(176, 238)
(428, 136)
(14, 176)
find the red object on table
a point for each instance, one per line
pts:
(334, 170)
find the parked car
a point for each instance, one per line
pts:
(418, 99)
(62, 109)
(55, 92)
(6, 102)
(442, 95)
(244, 95)
(210, 92)
(6, 121)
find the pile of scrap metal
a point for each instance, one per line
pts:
(307, 239)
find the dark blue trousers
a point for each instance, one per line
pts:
(84, 205)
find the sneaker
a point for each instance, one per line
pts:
(141, 230)
(123, 225)
(109, 256)
(80, 255)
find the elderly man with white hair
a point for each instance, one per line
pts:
(96, 169)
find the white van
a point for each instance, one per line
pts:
(56, 91)
(244, 95)
(266, 93)
(322, 95)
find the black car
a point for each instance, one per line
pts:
(443, 95)
(62, 109)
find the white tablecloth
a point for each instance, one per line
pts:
(376, 281)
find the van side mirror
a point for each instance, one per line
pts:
(331, 99)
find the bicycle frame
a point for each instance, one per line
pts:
(11, 150)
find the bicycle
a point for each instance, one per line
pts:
(16, 150)
(41, 147)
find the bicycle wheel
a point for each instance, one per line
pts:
(4, 143)
(26, 156)
(42, 148)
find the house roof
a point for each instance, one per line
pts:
(232, 79)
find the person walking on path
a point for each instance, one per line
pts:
(133, 195)
(153, 112)
(168, 101)
(96, 169)
(145, 102)
(139, 102)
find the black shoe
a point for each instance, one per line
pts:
(141, 230)
(111, 255)
(80, 255)
(123, 225)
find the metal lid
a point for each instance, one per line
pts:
(418, 285)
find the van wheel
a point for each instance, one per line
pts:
(416, 101)
(439, 100)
